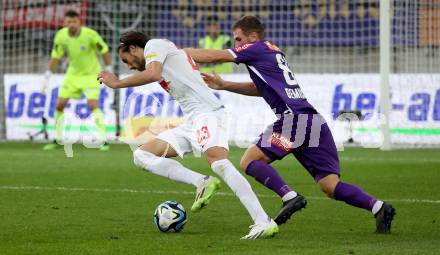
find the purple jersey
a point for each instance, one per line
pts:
(269, 70)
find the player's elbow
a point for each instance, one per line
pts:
(156, 77)
(153, 72)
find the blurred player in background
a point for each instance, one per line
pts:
(300, 130)
(80, 45)
(159, 60)
(215, 40)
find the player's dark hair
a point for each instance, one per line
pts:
(134, 38)
(72, 14)
(211, 20)
(249, 24)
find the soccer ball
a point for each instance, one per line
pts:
(170, 216)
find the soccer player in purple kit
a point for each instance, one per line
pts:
(299, 129)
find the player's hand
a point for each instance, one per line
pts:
(213, 80)
(108, 79)
(46, 81)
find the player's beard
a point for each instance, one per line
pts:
(74, 31)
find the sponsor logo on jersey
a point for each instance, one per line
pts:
(82, 47)
(281, 141)
(151, 55)
(295, 93)
(243, 47)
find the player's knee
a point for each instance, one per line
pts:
(60, 107)
(92, 106)
(244, 162)
(328, 184)
(215, 154)
(327, 188)
(212, 158)
(327, 191)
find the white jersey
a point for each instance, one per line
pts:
(181, 78)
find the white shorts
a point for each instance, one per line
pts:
(200, 133)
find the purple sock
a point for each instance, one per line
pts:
(353, 195)
(268, 176)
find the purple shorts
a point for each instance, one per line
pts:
(308, 138)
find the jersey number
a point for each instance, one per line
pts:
(203, 135)
(288, 75)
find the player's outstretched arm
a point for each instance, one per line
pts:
(152, 73)
(210, 56)
(214, 81)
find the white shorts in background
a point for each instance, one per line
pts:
(199, 133)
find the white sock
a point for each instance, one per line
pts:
(289, 195)
(376, 207)
(242, 189)
(165, 167)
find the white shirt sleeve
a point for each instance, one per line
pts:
(157, 50)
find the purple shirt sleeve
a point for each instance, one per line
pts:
(245, 53)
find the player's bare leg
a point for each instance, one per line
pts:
(264, 227)
(257, 165)
(99, 122)
(155, 155)
(59, 127)
(334, 188)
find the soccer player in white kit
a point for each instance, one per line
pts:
(159, 60)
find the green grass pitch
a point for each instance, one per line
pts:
(100, 203)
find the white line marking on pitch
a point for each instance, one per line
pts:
(406, 200)
(375, 159)
(341, 157)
